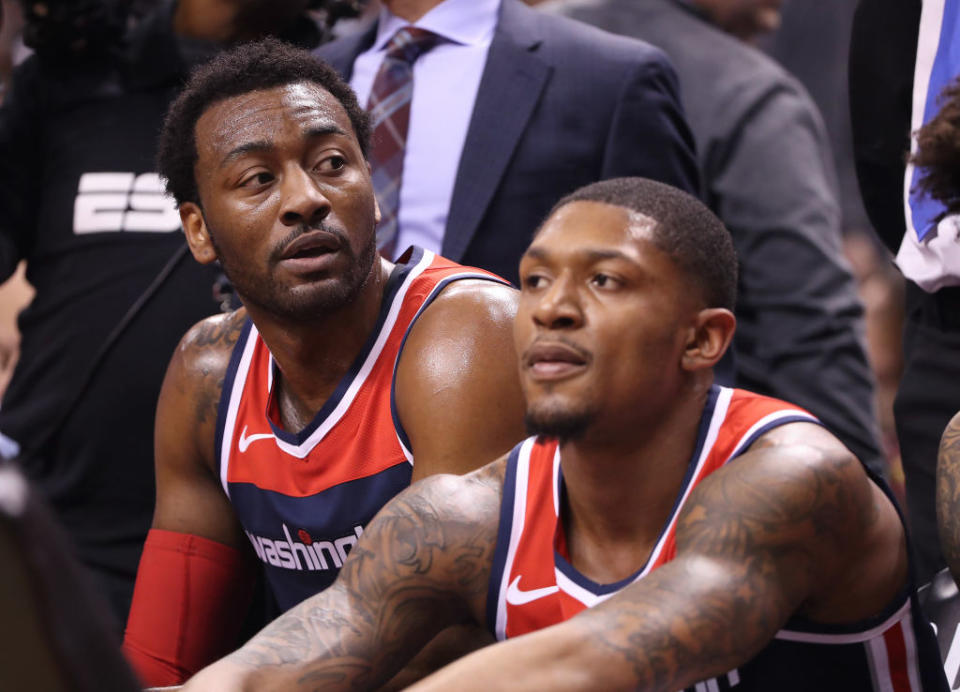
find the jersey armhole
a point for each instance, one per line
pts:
(226, 394)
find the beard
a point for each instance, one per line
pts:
(304, 303)
(566, 424)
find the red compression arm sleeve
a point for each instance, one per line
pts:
(190, 600)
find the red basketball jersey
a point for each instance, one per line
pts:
(533, 585)
(303, 498)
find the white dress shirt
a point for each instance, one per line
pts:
(445, 83)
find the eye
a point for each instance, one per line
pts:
(601, 280)
(258, 178)
(533, 281)
(332, 163)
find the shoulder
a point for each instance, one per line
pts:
(709, 62)
(560, 38)
(199, 364)
(207, 345)
(465, 315)
(796, 488)
(802, 453)
(469, 322)
(472, 299)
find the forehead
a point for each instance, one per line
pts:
(267, 114)
(583, 228)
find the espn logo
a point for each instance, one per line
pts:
(111, 202)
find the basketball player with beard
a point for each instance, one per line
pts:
(282, 428)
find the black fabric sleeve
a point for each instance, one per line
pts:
(883, 51)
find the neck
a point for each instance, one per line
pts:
(410, 10)
(313, 357)
(621, 488)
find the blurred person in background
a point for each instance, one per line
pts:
(81, 202)
(813, 44)
(766, 170)
(902, 57)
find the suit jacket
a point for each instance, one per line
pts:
(560, 104)
(768, 174)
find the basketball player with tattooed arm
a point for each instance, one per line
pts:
(659, 531)
(282, 428)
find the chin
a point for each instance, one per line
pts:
(564, 423)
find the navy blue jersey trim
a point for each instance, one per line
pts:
(800, 624)
(504, 530)
(397, 277)
(434, 293)
(227, 390)
(745, 445)
(602, 589)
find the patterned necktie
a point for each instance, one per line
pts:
(389, 108)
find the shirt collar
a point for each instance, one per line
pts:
(467, 22)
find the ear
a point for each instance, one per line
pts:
(708, 339)
(198, 237)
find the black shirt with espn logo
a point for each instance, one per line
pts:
(80, 201)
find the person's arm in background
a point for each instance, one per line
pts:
(800, 333)
(195, 579)
(649, 136)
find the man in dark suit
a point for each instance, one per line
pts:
(557, 105)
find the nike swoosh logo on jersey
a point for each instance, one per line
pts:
(517, 597)
(247, 441)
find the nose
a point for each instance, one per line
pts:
(559, 307)
(303, 202)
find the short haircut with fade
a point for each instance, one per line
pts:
(249, 67)
(684, 228)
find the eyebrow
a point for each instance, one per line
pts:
(592, 255)
(264, 145)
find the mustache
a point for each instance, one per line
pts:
(303, 229)
(555, 339)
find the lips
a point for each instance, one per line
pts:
(551, 360)
(310, 245)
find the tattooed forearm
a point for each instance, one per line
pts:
(422, 564)
(948, 495)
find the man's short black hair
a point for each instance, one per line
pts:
(249, 67)
(685, 229)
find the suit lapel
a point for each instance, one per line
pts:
(512, 81)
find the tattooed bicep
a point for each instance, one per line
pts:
(201, 362)
(779, 509)
(439, 535)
